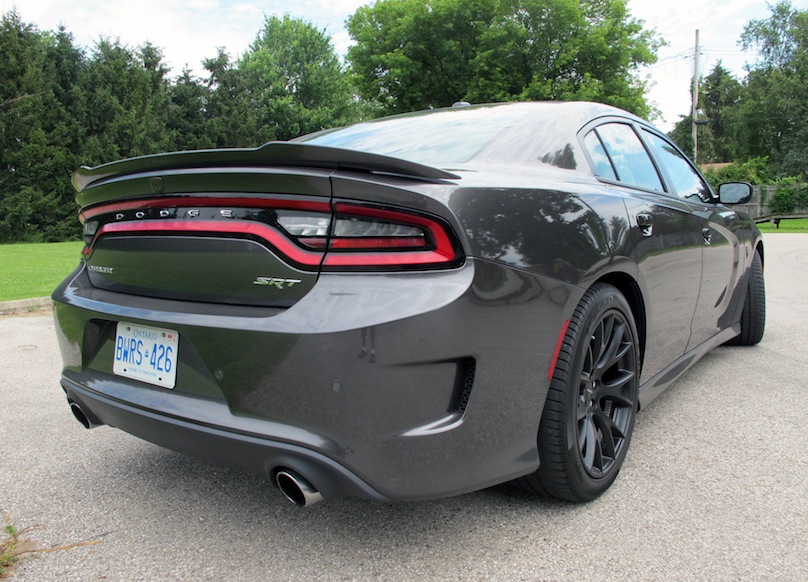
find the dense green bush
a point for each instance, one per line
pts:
(791, 194)
(755, 171)
(783, 201)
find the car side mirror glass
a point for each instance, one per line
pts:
(735, 193)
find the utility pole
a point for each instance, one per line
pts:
(693, 113)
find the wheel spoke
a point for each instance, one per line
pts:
(582, 409)
(587, 441)
(613, 388)
(615, 347)
(610, 431)
(582, 386)
(596, 345)
(608, 329)
(625, 348)
(589, 360)
(597, 462)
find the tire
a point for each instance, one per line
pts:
(753, 317)
(589, 413)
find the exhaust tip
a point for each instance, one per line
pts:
(86, 418)
(79, 414)
(296, 489)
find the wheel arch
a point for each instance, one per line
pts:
(628, 286)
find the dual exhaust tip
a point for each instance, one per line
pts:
(294, 487)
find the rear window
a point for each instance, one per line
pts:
(433, 138)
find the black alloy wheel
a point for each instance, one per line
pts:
(592, 401)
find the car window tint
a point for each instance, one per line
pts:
(629, 156)
(603, 167)
(685, 180)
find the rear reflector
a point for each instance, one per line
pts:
(559, 342)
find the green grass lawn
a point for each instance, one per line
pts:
(34, 270)
(790, 225)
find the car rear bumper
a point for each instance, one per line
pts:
(376, 386)
(247, 452)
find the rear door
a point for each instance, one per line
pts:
(666, 238)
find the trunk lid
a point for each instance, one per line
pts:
(242, 227)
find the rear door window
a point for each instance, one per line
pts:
(629, 160)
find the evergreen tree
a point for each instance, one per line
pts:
(34, 133)
(719, 93)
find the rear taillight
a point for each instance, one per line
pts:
(342, 236)
(366, 236)
(90, 228)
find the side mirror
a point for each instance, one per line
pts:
(735, 193)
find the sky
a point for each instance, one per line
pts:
(189, 31)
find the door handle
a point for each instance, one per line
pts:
(646, 224)
(708, 235)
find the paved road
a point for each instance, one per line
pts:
(715, 487)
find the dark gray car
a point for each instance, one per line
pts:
(408, 308)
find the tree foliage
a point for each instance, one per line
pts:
(411, 54)
(294, 80)
(772, 119)
(719, 92)
(755, 171)
(61, 107)
(40, 130)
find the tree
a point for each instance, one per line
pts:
(779, 39)
(63, 122)
(719, 92)
(772, 117)
(20, 109)
(58, 110)
(61, 108)
(128, 102)
(411, 54)
(229, 119)
(293, 81)
(187, 115)
(40, 131)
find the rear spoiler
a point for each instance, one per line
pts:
(270, 154)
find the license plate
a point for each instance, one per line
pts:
(148, 354)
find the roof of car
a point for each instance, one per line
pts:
(523, 131)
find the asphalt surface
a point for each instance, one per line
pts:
(715, 487)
